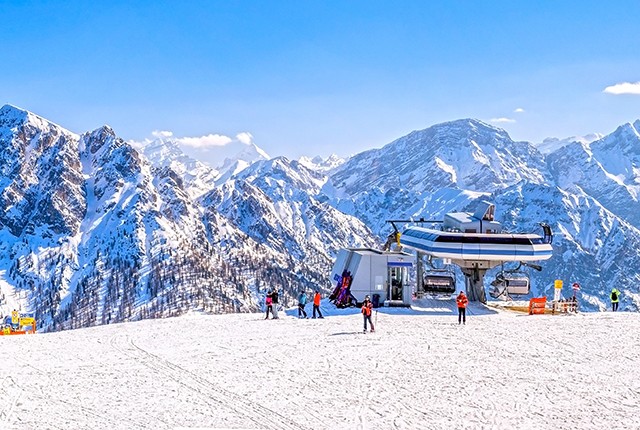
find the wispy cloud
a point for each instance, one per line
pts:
(519, 110)
(204, 142)
(502, 120)
(161, 134)
(623, 88)
(197, 142)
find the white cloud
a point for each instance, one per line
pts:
(623, 88)
(245, 137)
(161, 134)
(502, 120)
(204, 142)
(519, 110)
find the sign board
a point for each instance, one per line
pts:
(27, 321)
(575, 286)
(557, 284)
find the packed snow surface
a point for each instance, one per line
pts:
(419, 370)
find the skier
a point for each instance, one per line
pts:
(268, 301)
(302, 301)
(462, 301)
(615, 299)
(274, 300)
(367, 308)
(316, 304)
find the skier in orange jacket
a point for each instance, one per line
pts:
(462, 301)
(367, 308)
(316, 304)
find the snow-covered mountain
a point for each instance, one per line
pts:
(322, 164)
(432, 171)
(277, 202)
(243, 159)
(552, 144)
(93, 231)
(197, 177)
(91, 239)
(607, 169)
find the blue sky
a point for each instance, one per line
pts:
(321, 77)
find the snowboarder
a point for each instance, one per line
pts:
(302, 301)
(367, 308)
(316, 304)
(268, 301)
(274, 300)
(462, 301)
(615, 299)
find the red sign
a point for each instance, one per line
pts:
(576, 286)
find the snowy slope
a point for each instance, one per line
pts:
(419, 370)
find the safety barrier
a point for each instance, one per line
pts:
(537, 305)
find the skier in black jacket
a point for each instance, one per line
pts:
(274, 299)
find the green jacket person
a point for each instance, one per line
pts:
(615, 299)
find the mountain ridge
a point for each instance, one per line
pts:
(94, 231)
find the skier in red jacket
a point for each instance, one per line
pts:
(367, 308)
(462, 301)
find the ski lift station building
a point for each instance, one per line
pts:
(382, 275)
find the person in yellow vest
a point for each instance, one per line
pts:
(615, 299)
(367, 308)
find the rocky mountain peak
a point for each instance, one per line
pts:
(11, 116)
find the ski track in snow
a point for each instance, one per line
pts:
(202, 387)
(420, 369)
(10, 396)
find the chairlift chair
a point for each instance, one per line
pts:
(438, 281)
(510, 283)
(518, 284)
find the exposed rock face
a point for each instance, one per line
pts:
(42, 188)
